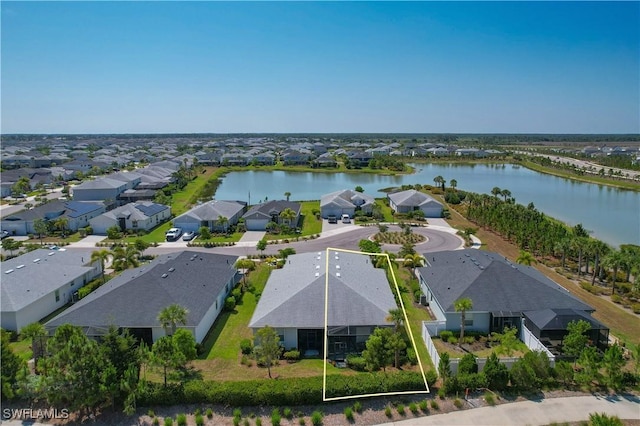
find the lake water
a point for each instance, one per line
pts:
(612, 215)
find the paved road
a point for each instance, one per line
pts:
(347, 237)
(7, 209)
(591, 167)
(542, 412)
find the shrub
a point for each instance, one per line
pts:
(348, 413)
(411, 356)
(453, 340)
(292, 355)
(401, 410)
(387, 411)
(151, 413)
(199, 420)
(441, 393)
(316, 418)
(275, 417)
(258, 421)
(356, 363)
(434, 404)
(209, 413)
(246, 346)
(237, 412)
(357, 407)
(636, 308)
(236, 421)
(615, 298)
(237, 295)
(488, 396)
(181, 420)
(445, 334)
(168, 421)
(245, 360)
(156, 421)
(469, 340)
(301, 421)
(458, 403)
(424, 406)
(413, 407)
(287, 413)
(229, 304)
(432, 377)
(467, 364)
(246, 422)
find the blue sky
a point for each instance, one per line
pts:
(479, 67)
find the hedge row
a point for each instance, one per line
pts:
(294, 391)
(209, 244)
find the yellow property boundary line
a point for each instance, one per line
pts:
(326, 331)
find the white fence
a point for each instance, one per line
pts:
(529, 339)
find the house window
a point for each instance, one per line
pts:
(57, 295)
(134, 223)
(468, 320)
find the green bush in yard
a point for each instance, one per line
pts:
(291, 392)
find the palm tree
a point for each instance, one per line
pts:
(439, 180)
(462, 306)
(103, 256)
(563, 247)
(599, 249)
(222, 222)
(124, 258)
(453, 183)
(505, 193)
(41, 227)
(396, 317)
(526, 258)
(171, 316)
(496, 191)
(578, 244)
(412, 261)
(247, 265)
(61, 224)
(613, 260)
(288, 215)
(287, 194)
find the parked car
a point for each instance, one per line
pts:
(189, 235)
(346, 218)
(173, 234)
(332, 219)
(4, 234)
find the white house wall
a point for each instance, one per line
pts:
(209, 318)
(481, 321)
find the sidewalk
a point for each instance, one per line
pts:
(543, 412)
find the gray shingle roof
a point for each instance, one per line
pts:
(264, 210)
(294, 295)
(212, 210)
(492, 283)
(558, 319)
(43, 272)
(411, 198)
(346, 198)
(135, 297)
(57, 208)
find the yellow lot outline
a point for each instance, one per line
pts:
(326, 331)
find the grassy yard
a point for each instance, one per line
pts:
(455, 351)
(22, 348)
(221, 358)
(310, 224)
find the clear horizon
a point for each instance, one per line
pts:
(323, 68)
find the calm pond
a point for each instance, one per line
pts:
(612, 215)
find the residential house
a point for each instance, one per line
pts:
(411, 200)
(258, 216)
(199, 282)
(502, 294)
(208, 214)
(39, 282)
(470, 152)
(346, 201)
(292, 156)
(293, 302)
(143, 215)
(325, 160)
(77, 213)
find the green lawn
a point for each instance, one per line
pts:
(223, 340)
(310, 224)
(22, 348)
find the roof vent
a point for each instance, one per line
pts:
(319, 253)
(165, 275)
(337, 266)
(172, 269)
(52, 253)
(8, 271)
(19, 266)
(337, 274)
(36, 260)
(317, 274)
(317, 266)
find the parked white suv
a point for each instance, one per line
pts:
(173, 234)
(346, 218)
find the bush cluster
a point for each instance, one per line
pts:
(292, 392)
